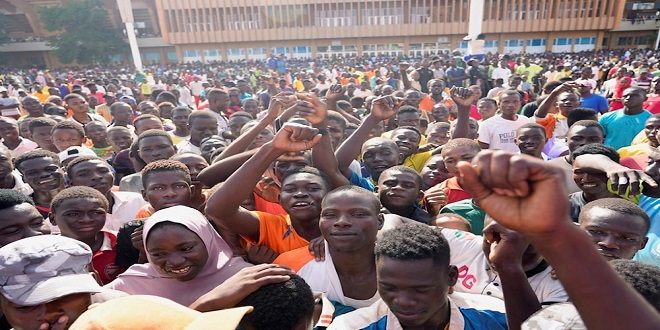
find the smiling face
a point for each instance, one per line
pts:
(42, 174)
(79, 218)
(92, 173)
(301, 195)
(592, 182)
(349, 222)
(415, 298)
(616, 235)
(531, 141)
(176, 251)
(434, 171)
(32, 105)
(407, 140)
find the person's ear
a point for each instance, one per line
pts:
(51, 218)
(452, 274)
(381, 221)
(84, 140)
(401, 158)
(193, 189)
(376, 189)
(643, 243)
(420, 195)
(144, 195)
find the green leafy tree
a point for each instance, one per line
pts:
(85, 34)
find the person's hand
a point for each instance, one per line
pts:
(427, 147)
(312, 109)
(60, 324)
(260, 254)
(385, 107)
(239, 286)
(569, 86)
(268, 189)
(295, 137)
(317, 248)
(335, 92)
(136, 239)
(506, 247)
(435, 198)
(625, 182)
(518, 191)
(403, 67)
(462, 96)
(279, 103)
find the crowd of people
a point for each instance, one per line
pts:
(443, 192)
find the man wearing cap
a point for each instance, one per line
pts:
(104, 108)
(8, 104)
(45, 282)
(590, 100)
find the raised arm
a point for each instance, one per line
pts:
(514, 190)
(382, 108)
(623, 180)
(551, 100)
(403, 71)
(323, 158)
(223, 206)
(463, 99)
(219, 171)
(332, 96)
(277, 104)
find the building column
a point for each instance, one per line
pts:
(126, 12)
(476, 18)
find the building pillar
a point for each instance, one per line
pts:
(126, 12)
(476, 18)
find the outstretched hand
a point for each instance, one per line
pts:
(295, 137)
(518, 191)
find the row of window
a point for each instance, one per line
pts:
(641, 41)
(375, 13)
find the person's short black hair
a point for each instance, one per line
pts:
(281, 305)
(309, 170)
(206, 114)
(39, 153)
(619, 205)
(143, 117)
(578, 114)
(406, 109)
(596, 149)
(69, 125)
(588, 123)
(40, 122)
(165, 165)
(78, 160)
(412, 128)
(82, 192)
(116, 105)
(166, 96)
(336, 116)
(404, 169)
(153, 132)
(10, 198)
(182, 109)
(644, 278)
(462, 142)
(531, 125)
(488, 99)
(369, 196)
(241, 114)
(73, 95)
(414, 242)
